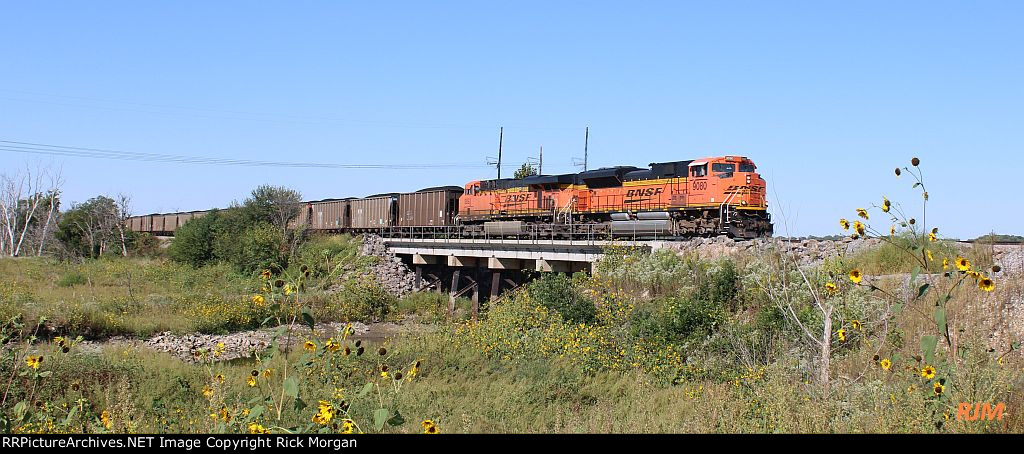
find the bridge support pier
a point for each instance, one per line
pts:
(454, 292)
(495, 284)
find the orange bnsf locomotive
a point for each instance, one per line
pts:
(703, 197)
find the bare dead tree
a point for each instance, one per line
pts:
(124, 211)
(21, 196)
(56, 182)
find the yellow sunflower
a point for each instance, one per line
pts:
(986, 284)
(945, 264)
(928, 372)
(963, 264)
(938, 388)
(842, 335)
(309, 345)
(324, 413)
(860, 228)
(933, 237)
(251, 381)
(429, 427)
(885, 363)
(862, 213)
(258, 300)
(105, 419)
(844, 224)
(885, 205)
(831, 287)
(257, 428)
(34, 361)
(855, 276)
(265, 274)
(332, 345)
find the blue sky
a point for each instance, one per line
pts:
(827, 97)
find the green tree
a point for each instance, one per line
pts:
(276, 205)
(525, 170)
(89, 229)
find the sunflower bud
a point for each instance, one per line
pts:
(279, 283)
(915, 162)
(996, 268)
(912, 221)
(383, 351)
(898, 171)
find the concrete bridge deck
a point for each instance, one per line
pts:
(506, 254)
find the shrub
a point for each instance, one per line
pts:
(332, 256)
(678, 319)
(145, 245)
(193, 241)
(557, 292)
(72, 278)
(260, 249)
(721, 285)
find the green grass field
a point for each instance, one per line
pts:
(650, 343)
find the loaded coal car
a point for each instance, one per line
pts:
(326, 215)
(430, 208)
(374, 212)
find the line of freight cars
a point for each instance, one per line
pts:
(721, 195)
(427, 209)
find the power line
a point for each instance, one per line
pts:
(232, 114)
(84, 152)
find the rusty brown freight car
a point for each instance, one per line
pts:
(156, 223)
(431, 207)
(135, 223)
(329, 214)
(301, 219)
(374, 212)
(180, 219)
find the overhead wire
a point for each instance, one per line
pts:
(100, 153)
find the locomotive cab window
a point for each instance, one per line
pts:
(746, 167)
(719, 167)
(699, 171)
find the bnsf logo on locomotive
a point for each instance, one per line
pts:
(647, 192)
(517, 198)
(735, 188)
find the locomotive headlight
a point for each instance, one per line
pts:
(748, 179)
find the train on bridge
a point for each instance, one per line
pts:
(712, 196)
